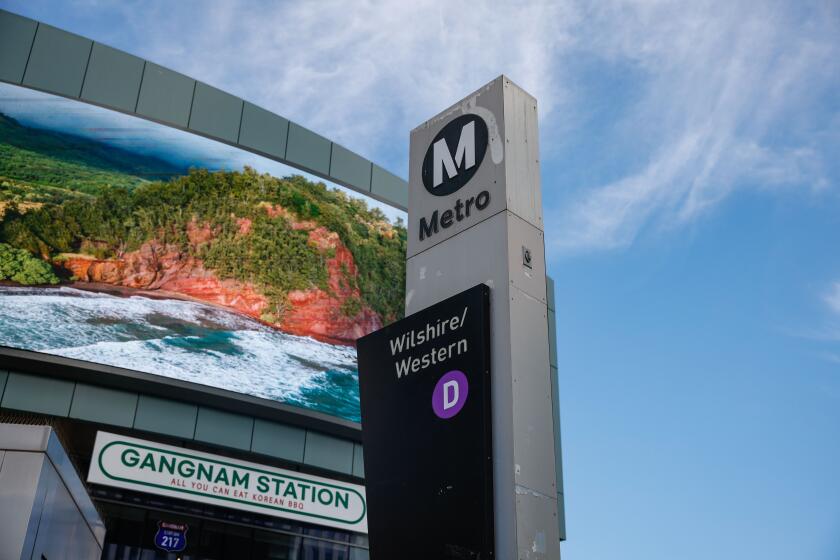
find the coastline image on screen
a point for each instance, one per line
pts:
(130, 244)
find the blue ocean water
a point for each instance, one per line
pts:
(182, 340)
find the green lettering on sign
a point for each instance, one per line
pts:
(144, 467)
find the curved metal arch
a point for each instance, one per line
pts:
(42, 57)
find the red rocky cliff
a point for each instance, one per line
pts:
(313, 312)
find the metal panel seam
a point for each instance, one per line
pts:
(459, 233)
(84, 74)
(286, 145)
(72, 398)
(140, 88)
(31, 46)
(329, 165)
(136, 406)
(241, 118)
(195, 422)
(192, 104)
(251, 438)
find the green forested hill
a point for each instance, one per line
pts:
(57, 159)
(120, 211)
(274, 255)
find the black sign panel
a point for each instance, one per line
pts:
(426, 425)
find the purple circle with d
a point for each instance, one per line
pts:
(450, 394)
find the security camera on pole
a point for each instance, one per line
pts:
(475, 216)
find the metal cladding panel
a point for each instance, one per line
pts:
(349, 168)
(533, 441)
(4, 375)
(70, 478)
(441, 273)
(524, 198)
(165, 417)
(62, 531)
(216, 113)
(561, 516)
(106, 406)
(113, 78)
(278, 440)
(58, 61)
(328, 452)
(552, 338)
(536, 529)
(358, 461)
(307, 149)
(487, 103)
(38, 394)
(529, 276)
(224, 428)
(549, 292)
(165, 95)
(263, 131)
(16, 36)
(387, 186)
(24, 437)
(558, 455)
(19, 496)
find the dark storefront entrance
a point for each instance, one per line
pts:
(212, 533)
(215, 534)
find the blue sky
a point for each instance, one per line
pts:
(691, 176)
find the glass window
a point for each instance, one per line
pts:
(220, 541)
(324, 550)
(276, 546)
(125, 525)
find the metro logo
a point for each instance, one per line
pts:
(444, 172)
(464, 153)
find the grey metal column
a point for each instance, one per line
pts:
(45, 511)
(490, 229)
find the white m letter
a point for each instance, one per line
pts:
(464, 154)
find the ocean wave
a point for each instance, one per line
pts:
(182, 340)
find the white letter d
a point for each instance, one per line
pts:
(447, 401)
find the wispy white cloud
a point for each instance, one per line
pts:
(724, 95)
(729, 103)
(828, 335)
(832, 298)
(364, 73)
(726, 99)
(831, 357)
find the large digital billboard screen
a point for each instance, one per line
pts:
(127, 243)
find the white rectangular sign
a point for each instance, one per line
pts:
(155, 468)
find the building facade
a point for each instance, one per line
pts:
(59, 413)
